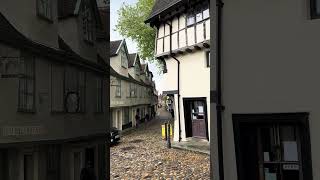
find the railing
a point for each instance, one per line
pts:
(9, 67)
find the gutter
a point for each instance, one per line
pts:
(178, 76)
(219, 105)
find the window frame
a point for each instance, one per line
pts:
(25, 78)
(314, 9)
(87, 24)
(99, 95)
(118, 89)
(48, 16)
(208, 60)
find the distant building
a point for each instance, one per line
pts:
(187, 82)
(131, 87)
(53, 89)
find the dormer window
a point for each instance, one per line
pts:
(137, 69)
(124, 60)
(44, 9)
(87, 23)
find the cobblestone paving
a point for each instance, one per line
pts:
(142, 154)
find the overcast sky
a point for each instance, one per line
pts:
(132, 47)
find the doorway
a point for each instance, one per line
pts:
(195, 114)
(28, 167)
(272, 146)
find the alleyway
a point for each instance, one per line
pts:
(142, 154)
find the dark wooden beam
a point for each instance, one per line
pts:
(189, 50)
(206, 45)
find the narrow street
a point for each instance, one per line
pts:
(142, 154)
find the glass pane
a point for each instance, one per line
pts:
(206, 14)
(199, 17)
(318, 7)
(190, 20)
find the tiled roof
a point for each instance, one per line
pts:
(131, 59)
(160, 6)
(114, 45)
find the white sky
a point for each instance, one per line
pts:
(132, 46)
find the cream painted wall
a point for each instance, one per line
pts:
(270, 60)
(194, 82)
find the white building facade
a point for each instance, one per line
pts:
(269, 66)
(182, 44)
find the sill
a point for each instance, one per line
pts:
(88, 42)
(30, 111)
(315, 16)
(45, 18)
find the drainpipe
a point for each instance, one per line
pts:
(178, 76)
(219, 105)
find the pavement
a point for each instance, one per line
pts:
(142, 154)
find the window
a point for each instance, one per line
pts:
(137, 69)
(124, 60)
(118, 88)
(315, 8)
(82, 91)
(133, 90)
(44, 9)
(99, 95)
(57, 91)
(208, 58)
(75, 87)
(87, 21)
(27, 83)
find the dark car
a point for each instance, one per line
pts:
(114, 135)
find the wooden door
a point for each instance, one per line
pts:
(198, 119)
(28, 167)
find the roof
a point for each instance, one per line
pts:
(130, 78)
(13, 38)
(131, 60)
(114, 46)
(160, 6)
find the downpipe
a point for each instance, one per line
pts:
(219, 106)
(178, 76)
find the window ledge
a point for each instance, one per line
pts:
(45, 18)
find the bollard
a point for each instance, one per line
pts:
(165, 130)
(168, 136)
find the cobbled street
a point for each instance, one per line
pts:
(142, 154)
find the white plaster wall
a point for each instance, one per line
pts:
(270, 65)
(194, 82)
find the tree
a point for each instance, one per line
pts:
(131, 25)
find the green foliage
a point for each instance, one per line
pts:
(131, 25)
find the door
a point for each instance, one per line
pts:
(76, 165)
(272, 146)
(118, 121)
(195, 117)
(28, 167)
(198, 119)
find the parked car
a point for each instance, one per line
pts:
(114, 135)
